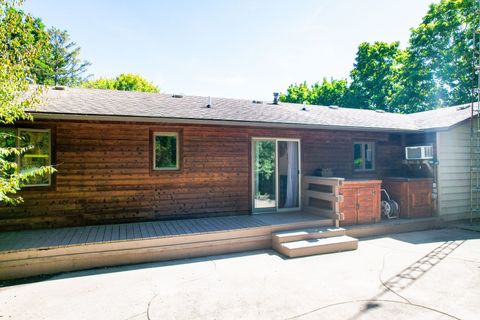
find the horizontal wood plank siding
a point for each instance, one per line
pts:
(104, 172)
(454, 172)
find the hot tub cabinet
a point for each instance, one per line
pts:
(361, 201)
(414, 195)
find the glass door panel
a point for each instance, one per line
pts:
(264, 175)
(288, 174)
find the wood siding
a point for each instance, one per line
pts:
(454, 172)
(104, 171)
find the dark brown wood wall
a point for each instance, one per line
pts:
(104, 171)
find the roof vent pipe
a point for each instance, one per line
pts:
(209, 102)
(276, 95)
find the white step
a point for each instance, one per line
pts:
(317, 246)
(307, 233)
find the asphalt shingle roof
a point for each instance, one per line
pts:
(108, 103)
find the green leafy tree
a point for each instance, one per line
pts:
(326, 93)
(434, 70)
(60, 62)
(19, 49)
(125, 82)
(297, 93)
(374, 75)
(438, 68)
(133, 82)
(329, 93)
(100, 83)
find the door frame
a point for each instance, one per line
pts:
(252, 173)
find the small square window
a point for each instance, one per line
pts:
(37, 156)
(364, 156)
(165, 151)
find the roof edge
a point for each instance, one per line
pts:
(89, 117)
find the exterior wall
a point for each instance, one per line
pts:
(104, 171)
(454, 172)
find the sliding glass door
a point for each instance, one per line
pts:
(276, 174)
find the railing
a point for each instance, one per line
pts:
(321, 196)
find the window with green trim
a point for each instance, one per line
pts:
(38, 142)
(165, 151)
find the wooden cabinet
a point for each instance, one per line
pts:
(414, 195)
(361, 202)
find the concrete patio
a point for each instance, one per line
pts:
(424, 275)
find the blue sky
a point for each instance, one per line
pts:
(239, 49)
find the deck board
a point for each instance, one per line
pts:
(123, 232)
(171, 229)
(129, 232)
(92, 235)
(157, 229)
(107, 236)
(78, 236)
(151, 230)
(67, 237)
(164, 229)
(178, 227)
(100, 233)
(192, 226)
(185, 228)
(85, 235)
(143, 230)
(137, 233)
(116, 232)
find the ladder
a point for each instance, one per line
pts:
(475, 130)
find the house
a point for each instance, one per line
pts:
(132, 156)
(147, 177)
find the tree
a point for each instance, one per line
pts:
(125, 82)
(19, 49)
(438, 68)
(60, 63)
(325, 93)
(435, 69)
(133, 82)
(297, 93)
(374, 75)
(329, 93)
(100, 83)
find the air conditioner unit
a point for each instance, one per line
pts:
(419, 153)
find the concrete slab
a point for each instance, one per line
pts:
(421, 275)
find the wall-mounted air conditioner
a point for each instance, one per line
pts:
(419, 153)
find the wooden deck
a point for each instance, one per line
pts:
(29, 253)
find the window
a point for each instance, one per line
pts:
(363, 156)
(37, 156)
(165, 151)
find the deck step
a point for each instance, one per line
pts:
(307, 233)
(317, 246)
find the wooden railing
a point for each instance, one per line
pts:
(321, 196)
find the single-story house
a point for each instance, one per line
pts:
(147, 177)
(132, 156)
